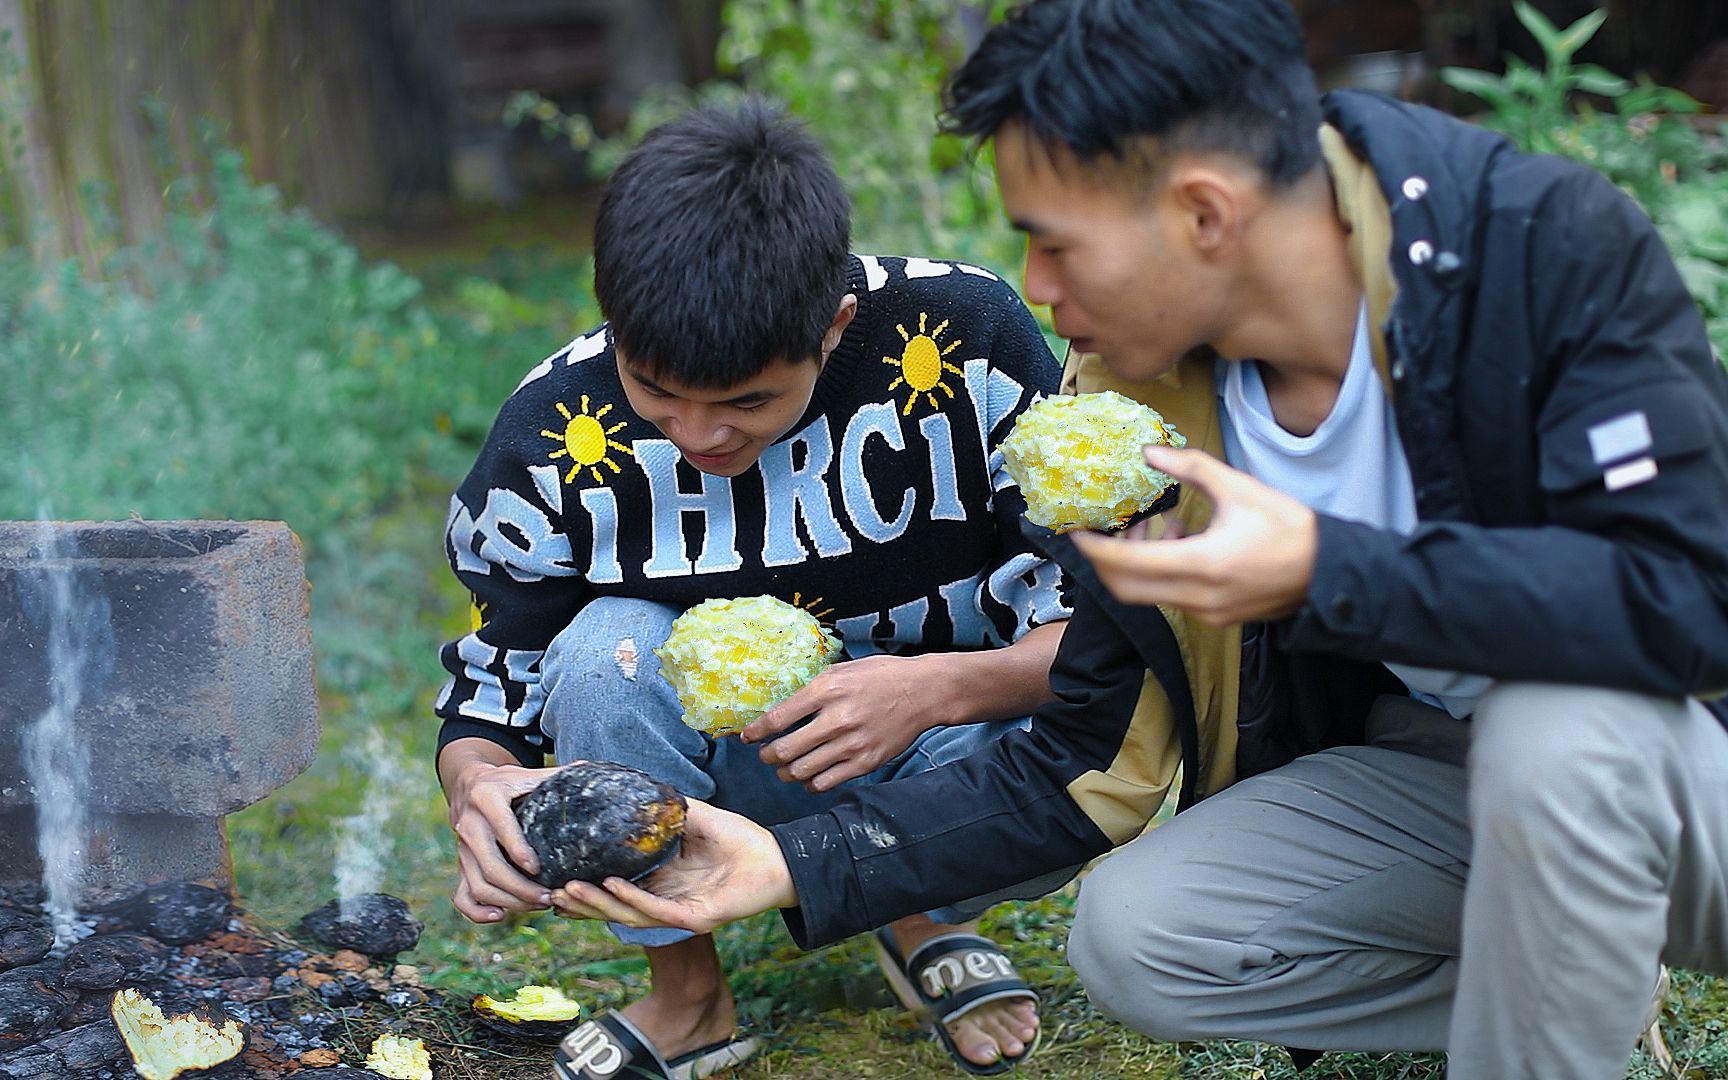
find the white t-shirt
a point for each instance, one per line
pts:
(1352, 466)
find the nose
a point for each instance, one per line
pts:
(693, 425)
(1040, 279)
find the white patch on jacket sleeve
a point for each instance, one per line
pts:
(1620, 438)
(1630, 474)
(875, 835)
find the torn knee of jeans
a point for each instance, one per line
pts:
(624, 655)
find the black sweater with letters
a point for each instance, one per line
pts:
(885, 510)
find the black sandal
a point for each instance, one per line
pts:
(947, 977)
(611, 1046)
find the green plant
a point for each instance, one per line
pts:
(1648, 141)
(865, 77)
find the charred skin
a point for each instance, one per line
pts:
(594, 820)
(539, 1013)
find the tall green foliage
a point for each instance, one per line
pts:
(250, 363)
(866, 76)
(1648, 141)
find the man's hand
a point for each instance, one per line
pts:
(865, 712)
(1254, 561)
(490, 847)
(727, 868)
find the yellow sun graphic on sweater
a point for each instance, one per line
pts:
(810, 605)
(921, 364)
(587, 442)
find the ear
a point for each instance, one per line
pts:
(842, 319)
(1213, 203)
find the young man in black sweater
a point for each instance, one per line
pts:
(763, 413)
(1442, 655)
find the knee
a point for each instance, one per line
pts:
(1543, 755)
(1139, 969)
(610, 637)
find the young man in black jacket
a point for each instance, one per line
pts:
(1441, 654)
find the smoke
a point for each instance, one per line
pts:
(364, 840)
(80, 654)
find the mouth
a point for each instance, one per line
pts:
(710, 461)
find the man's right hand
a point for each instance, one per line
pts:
(727, 868)
(491, 852)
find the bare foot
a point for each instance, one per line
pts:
(993, 1030)
(689, 1005)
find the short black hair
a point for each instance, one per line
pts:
(1094, 76)
(721, 246)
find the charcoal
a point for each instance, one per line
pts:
(33, 1063)
(376, 924)
(176, 912)
(91, 1007)
(594, 820)
(91, 1048)
(32, 1001)
(106, 961)
(25, 937)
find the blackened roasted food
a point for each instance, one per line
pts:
(376, 924)
(594, 820)
(540, 1013)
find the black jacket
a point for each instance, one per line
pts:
(1566, 426)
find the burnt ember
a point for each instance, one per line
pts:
(32, 1001)
(376, 924)
(176, 913)
(103, 963)
(25, 937)
(302, 1012)
(90, 1050)
(594, 820)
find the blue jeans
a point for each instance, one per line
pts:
(606, 701)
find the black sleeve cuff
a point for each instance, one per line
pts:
(458, 727)
(824, 876)
(1346, 597)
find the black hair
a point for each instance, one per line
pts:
(721, 246)
(1094, 76)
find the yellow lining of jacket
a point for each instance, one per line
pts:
(1123, 798)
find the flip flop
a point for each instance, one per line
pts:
(947, 977)
(610, 1047)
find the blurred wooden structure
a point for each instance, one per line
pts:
(363, 107)
(342, 104)
(351, 107)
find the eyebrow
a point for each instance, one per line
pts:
(751, 398)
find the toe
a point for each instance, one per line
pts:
(995, 1031)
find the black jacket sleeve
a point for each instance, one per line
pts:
(987, 822)
(1621, 579)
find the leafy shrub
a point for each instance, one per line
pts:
(248, 364)
(1648, 142)
(866, 78)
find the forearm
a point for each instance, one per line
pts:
(999, 684)
(1545, 604)
(459, 758)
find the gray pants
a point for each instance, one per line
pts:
(1511, 910)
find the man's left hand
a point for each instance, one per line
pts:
(1254, 560)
